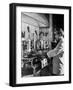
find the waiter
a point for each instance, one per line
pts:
(58, 55)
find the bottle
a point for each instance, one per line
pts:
(29, 40)
(32, 42)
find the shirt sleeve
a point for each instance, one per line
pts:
(57, 50)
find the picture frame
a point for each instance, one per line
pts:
(19, 46)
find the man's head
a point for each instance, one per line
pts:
(58, 34)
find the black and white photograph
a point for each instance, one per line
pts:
(40, 44)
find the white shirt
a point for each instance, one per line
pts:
(58, 60)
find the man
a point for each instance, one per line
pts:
(58, 54)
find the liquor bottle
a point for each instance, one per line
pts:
(32, 42)
(42, 40)
(42, 43)
(29, 41)
(38, 44)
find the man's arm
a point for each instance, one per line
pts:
(57, 50)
